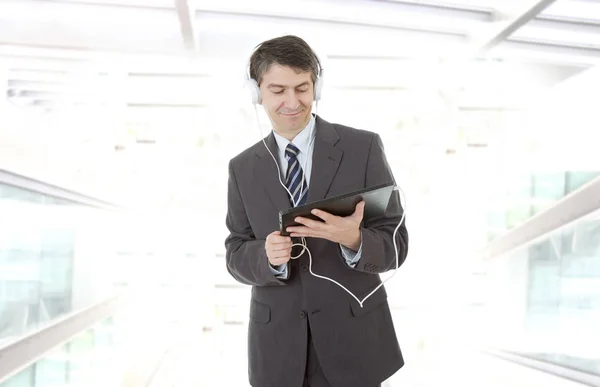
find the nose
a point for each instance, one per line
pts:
(292, 102)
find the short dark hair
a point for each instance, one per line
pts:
(288, 50)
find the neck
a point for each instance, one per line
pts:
(291, 135)
(288, 136)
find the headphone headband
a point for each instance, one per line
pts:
(252, 84)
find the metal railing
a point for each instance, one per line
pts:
(33, 185)
(546, 367)
(570, 208)
(17, 355)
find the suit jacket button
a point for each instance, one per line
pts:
(302, 314)
(304, 267)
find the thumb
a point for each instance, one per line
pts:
(271, 235)
(359, 211)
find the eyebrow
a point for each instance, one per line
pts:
(273, 85)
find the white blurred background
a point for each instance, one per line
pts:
(487, 110)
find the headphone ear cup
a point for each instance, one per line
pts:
(318, 88)
(254, 90)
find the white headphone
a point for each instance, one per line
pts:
(255, 94)
(252, 85)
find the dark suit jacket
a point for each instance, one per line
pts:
(355, 346)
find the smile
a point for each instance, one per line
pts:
(291, 115)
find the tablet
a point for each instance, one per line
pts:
(376, 201)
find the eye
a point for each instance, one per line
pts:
(277, 92)
(303, 90)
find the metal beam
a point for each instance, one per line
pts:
(109, 3)
(579, 48)
(567, 23)
(29, 184)
(569, 209)
(470, 11)
(383, 15)
(18, 58)
(504, 28)
(17, 355)
(186, 23)
(17, 25)
(166, 105)
(416, 28)
(48, 76)
(553, 53)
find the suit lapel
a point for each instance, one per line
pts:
(325, 163)
(266, 172)
(326, 160)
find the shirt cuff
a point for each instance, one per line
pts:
(352, 257)
(280, 271)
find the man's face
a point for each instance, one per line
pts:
(287, 96)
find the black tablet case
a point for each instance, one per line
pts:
(376, 202)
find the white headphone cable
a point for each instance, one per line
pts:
(360, 302)
(304, 243)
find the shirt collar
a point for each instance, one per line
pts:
(302, 140)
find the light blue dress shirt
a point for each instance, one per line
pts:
(304, 141)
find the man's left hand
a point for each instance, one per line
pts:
(344, 230)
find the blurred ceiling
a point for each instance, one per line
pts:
(165, 53)
(169, 71)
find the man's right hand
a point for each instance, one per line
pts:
(278, 248)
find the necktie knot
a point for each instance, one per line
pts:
(291, 150)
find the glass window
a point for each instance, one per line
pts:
(45, 246)
(577, 179)
(549, 308)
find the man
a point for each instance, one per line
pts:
(303, 330)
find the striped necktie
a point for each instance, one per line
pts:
(294, 180)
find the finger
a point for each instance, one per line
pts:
(311, 234)
(302, 235)
(308, 232)
(279, 261)
(313, 224)
(359, 210)
(326, 216)
(281, 254)
(281, 247)
(272, 235)
(298, 230)
(278, 239)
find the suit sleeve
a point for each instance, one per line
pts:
(378, 253)
(246, 257)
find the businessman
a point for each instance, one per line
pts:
(303, 330)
